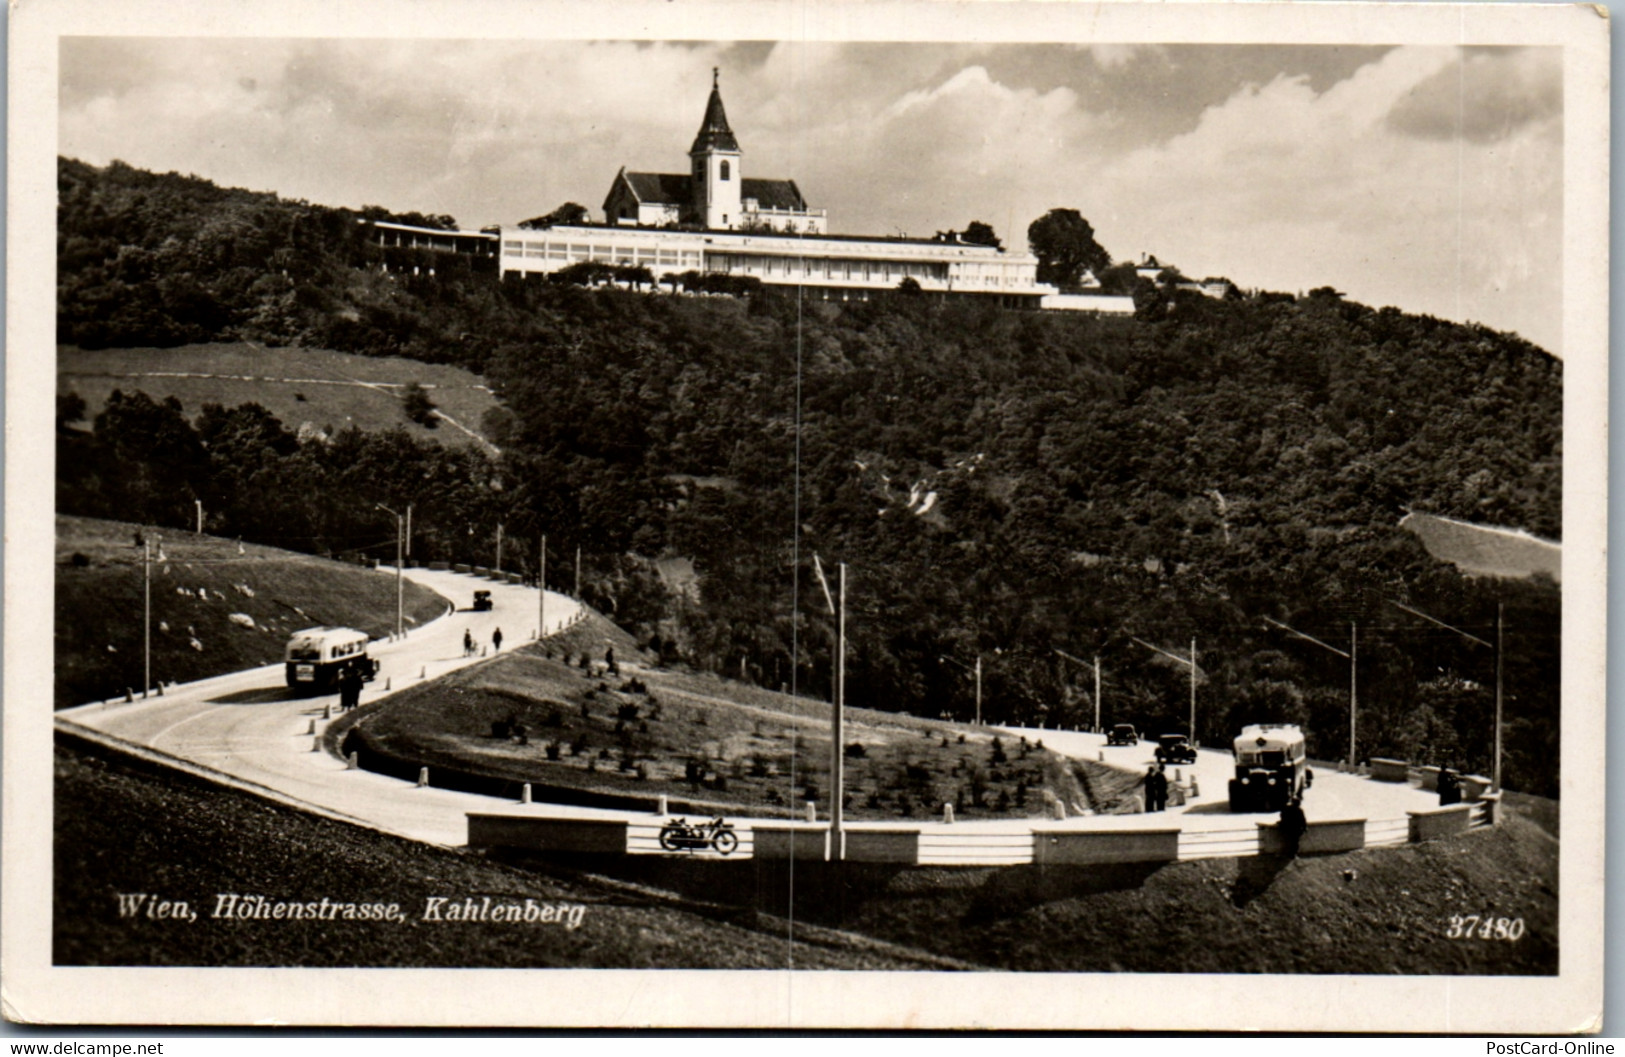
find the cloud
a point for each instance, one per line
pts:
(1428, 178)
(1483, 96)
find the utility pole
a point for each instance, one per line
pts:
(1353, 657)
(978, 689)
(146, 568)
(400, 540)
(541, 582)
(199, 504)
(1097, 693)
(1500, 612)
(1354, 692)
(837, 739)
(578, 571)
(409, 531)
(1194, 739)
(1500, 623)
(499, 546)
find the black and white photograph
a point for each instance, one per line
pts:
(982, 515)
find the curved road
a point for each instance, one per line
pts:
(248, 726)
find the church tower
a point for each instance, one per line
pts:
(715, 167)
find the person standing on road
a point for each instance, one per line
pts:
(468, 642)
(349, 689)
(1292, 827)
(496, 639)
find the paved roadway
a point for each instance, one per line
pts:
(248, 726)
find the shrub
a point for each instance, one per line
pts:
(1003, 803)
(962, 739)
(79, 561)
(552, 750)
(418, 407)
(856, 751)
(998, 751)
(905, 806)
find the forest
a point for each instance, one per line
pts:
(1027, 489)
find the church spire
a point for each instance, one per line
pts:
(714, 132)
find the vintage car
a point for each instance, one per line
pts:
(1175, 748)
(482, 601)
(1123, 734)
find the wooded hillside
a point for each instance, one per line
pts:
(1001, 483)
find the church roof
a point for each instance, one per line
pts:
(678, 189)
(663, 187)
(714, 132)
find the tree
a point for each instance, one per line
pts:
(568, 213)
(1065, 245)
(979, 234)
(418, 406)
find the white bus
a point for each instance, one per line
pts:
(316, 657)
(1272, 767)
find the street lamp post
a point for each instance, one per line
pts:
(1500, 617)
(977, 672)
(1078, 660)
(1191, 661)
(837, 752)
(400, 540)
(1352, 656)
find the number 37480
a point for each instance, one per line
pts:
(1484, 927)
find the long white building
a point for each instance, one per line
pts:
(714, 220)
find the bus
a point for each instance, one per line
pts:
(316, 657)
(1272, 767)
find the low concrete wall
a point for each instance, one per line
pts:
(481, 570)
(880, 845)
(791, 842)
(1321, 838)
(604, 836)
(440, 566)
(1055, 847)
(1385, 770)
(515, 578)
(1429, 776)
(1474, 787)
(459, 567)
(1433, 823)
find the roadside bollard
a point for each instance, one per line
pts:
(1057, 811)
(482, 651)
(386, 683)
(312, 729)
(1195, 792)
(129, 696)
(812, 811)
(661, 809)
(352, 761)
(315, 744)
(1177, 778)
(423, 671)
(947, 814)
(524, 793)
(423, 777)
(1102, 755)
(160, 688)
(327, 711)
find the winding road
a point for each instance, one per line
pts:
(248, 727)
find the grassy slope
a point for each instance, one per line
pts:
(751, 737)
(326, 380)
(1383, 910)
(100, 605)
(123, 829)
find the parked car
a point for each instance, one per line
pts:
(1175, 748)
(1123, 734)
(482, 601)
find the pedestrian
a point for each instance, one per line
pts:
(1449, 787)
(1162, 788)
(468, 643)
(609, 661)
(349, 689)
(1151, 779)
(496, 639)
(1292, 826)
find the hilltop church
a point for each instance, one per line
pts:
(715, 193)
(715, 220)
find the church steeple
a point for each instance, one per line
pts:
(716, 171)
(714, 132)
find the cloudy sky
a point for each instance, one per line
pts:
(1424, 177)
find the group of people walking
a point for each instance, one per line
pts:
(469, 646)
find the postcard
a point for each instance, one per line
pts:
(823, 515)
